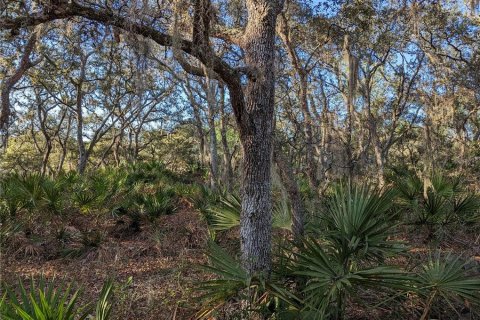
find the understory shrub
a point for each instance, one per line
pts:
(51, 300)
(347, 252)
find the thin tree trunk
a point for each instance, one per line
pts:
(302, 74)
(288, 180)
(428, 152)
(82, 152)
(227, 159)
(325, 143)
(116, 147)
(46, 156)
(351, 63)
(210, 92)
(63, 144)
(372, 127)
(198, 123)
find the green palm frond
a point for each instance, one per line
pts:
(282, 215)
(328, 280)
(52, 300)
(12, 199)
(160, 203)
(359, 221)
(30, 188)
(443, 186)
(446, 279)
(53, 196)
(226, 214)
(466, 206)
(85, 199)
(409, 187)
(442, 202)
(434, 207)
(232, 277)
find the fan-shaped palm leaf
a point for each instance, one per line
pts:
(445, 279)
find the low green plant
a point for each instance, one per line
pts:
(342, 255)
(42, 301)
(103, 309)
(444, 281)
(7, 229)
(52, 300)
(330, 282)
(11, 198)
(347, 250)
(232, 282)
(90, 240)
(441, 202)
(53, 195)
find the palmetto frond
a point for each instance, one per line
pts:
(359, 220)
(328, 280)
(445, 279)
(443, 201)
(226, 214)
(232, 277)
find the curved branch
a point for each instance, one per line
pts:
(229, 75)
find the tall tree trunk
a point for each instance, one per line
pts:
(136, 145)
(325, 151)
(227, 159)
(116, 147)
(372, 127)
(349, 96)
(428, 165)
(7, 85)
(379, 159)
(46, 156)
(310, 153)
(211, 101)
(82, 151)
(256, 131)
(198, 122)
(349, 163)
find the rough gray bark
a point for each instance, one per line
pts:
(256, 132)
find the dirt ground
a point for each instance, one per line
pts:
(162, 260)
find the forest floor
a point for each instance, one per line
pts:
(163, 260)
